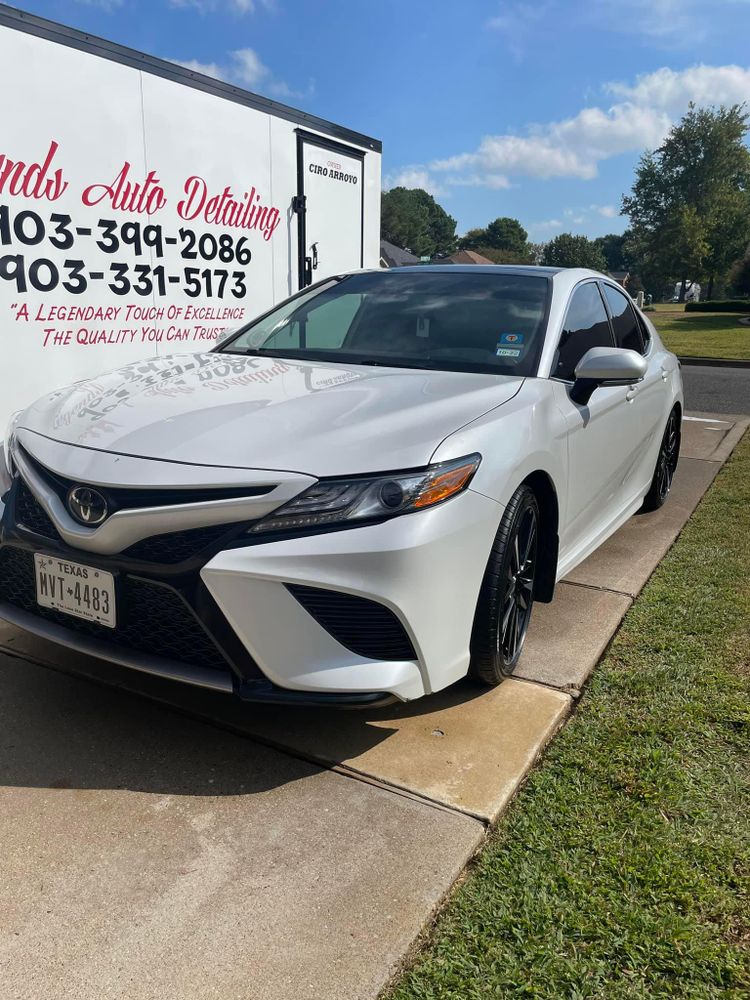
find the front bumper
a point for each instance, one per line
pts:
(426, 568)
(230, 620)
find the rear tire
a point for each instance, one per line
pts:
(666, 463)
(506, 596)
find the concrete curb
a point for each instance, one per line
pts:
(714, 362)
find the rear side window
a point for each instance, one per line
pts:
(624, 322)
(586, 325)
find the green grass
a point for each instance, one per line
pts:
(704, 335)
(622, 870)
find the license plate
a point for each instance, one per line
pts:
(82, 591)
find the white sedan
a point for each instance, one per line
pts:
(358, 496)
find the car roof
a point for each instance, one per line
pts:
(481, 269)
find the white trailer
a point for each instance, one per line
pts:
(145, 208)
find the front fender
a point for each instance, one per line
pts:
(527, 434)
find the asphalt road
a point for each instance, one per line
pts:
(716, 390)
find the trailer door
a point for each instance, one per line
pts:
(330, 207)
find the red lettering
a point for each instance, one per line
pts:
(128, 195)
(196, 191)
(33, 180)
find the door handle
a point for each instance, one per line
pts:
(664, 375)
(314, 248)
(631, 393)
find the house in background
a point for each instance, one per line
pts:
(393, 256)
(621, 277)
(465, 257)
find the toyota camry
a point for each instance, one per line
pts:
(357, 497)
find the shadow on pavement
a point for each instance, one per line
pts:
(132, 731)
(61, 732)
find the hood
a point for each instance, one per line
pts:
(265, 413)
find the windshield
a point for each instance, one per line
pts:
(456, 321)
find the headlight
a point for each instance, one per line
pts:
(8, 443)
(376, 498)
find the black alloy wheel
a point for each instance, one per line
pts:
(507, 594)
(666, 464)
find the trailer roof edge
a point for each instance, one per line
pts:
(32, 24)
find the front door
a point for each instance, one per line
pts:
(330, 208)
(603, 436)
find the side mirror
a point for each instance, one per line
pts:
(602, 366)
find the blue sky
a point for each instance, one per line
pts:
(537, 110)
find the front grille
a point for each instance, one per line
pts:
(176, 547)
(366, 627)
(168, 549)
(31, 515)
(150, 618)
(135, 498)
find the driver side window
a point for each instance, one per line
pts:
(586, 325)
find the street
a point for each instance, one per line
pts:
(715, 389)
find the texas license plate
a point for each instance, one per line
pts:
(82, 591)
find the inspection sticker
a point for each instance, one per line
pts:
(511, 338)
(508, 352)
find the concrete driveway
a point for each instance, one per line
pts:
(160, 842)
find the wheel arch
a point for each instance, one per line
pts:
(549, 510)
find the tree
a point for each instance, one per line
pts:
(740, 275)
(442, 226)
(504, 241)
(614, 248)
(508, 234)
(413, 220)
(567, 250)
(690, 203)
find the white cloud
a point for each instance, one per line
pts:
(207, 69)
(496, 182)
(544, 228)
(107, 5)
(413, 177)
(665, 23)
(572, 147)
(607, 211)
(639, 119)
(245, 68)
(516, 22)
(671, 90)
(211, 6)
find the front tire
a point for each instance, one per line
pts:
(506, 597)
(666, 463)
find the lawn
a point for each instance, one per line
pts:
(705, 335)
(622, 870)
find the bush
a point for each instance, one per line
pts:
(719, 306)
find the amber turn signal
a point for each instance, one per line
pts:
(445, 485)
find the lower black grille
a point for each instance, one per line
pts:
(151, 618)
(31, 515)
(366, 627)
(177, 546)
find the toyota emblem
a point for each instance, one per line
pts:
(87, 506)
